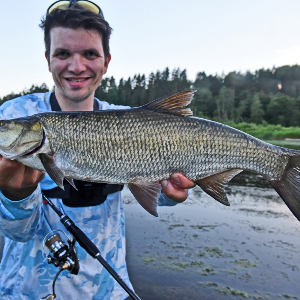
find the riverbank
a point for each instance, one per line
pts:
(287, 143)
(268, 132)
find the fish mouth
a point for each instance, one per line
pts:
(16, 141)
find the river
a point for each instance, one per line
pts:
(201, 249)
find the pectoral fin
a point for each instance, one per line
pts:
(146, 194)
(214, 185)
(71, 181)
(54, 172)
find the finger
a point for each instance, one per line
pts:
(8, 168)
(181, 181)
(16, 175)
(32, 177)
(173, 192)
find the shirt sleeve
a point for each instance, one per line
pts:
(105, 106)
(19, 220)
(163, 200)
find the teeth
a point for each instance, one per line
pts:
(76, 80)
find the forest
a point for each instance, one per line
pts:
(266, 96)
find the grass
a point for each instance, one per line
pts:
(288, 137)
(268, 132)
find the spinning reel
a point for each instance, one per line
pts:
(61, 255)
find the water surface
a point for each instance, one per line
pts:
(201, 249)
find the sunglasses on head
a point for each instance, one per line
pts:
(63, 4)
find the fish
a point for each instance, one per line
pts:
(141, 146)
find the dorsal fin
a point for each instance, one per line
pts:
(174, 104)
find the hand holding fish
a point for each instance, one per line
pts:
(176, 187)
(18, 181)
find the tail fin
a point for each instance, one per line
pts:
(289, 186)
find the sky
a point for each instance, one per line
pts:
(216, 36)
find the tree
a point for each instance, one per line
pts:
(101, 91)
(37, 89)
(289, 77)
(203, 104)
(257, 113)
(33, 89)
(112, 93)
(266, 81)
(281, 110)
(213, 83)
(271, 95)
(243, 104)
(225, 103)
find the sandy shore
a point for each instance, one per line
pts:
(203, 250)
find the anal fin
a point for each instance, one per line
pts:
(214, 185)
(52, 169)
(146, 193)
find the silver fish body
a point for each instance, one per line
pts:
(143, 145)
(138, 144)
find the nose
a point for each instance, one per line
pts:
(76, 64)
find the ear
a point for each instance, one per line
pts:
(107, 60)
(48, 60)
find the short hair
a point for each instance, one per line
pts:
(76, 17)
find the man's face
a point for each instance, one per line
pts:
(77, 62)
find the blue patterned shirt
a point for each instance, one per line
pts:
(24, 270)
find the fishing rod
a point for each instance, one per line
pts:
(88, 246)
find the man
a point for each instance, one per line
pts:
(77, 51)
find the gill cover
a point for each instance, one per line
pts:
(19, 136)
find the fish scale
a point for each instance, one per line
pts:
(130, 149)
(141, 146)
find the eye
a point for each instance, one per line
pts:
(62, 55)
(91, 54)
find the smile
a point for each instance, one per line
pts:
(76, 80)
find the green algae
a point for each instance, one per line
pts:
(232, 271)
(148, 259)
(245, 263)
(209, 284)
(178, 247)
(175, 225)
(181, 266)
(230, 291)
(207, 271)
(204, 227)
(289, 296)
(225, 290)
(213, 252)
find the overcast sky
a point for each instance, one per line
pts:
(198, 35)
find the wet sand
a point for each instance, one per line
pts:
(201, 249)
